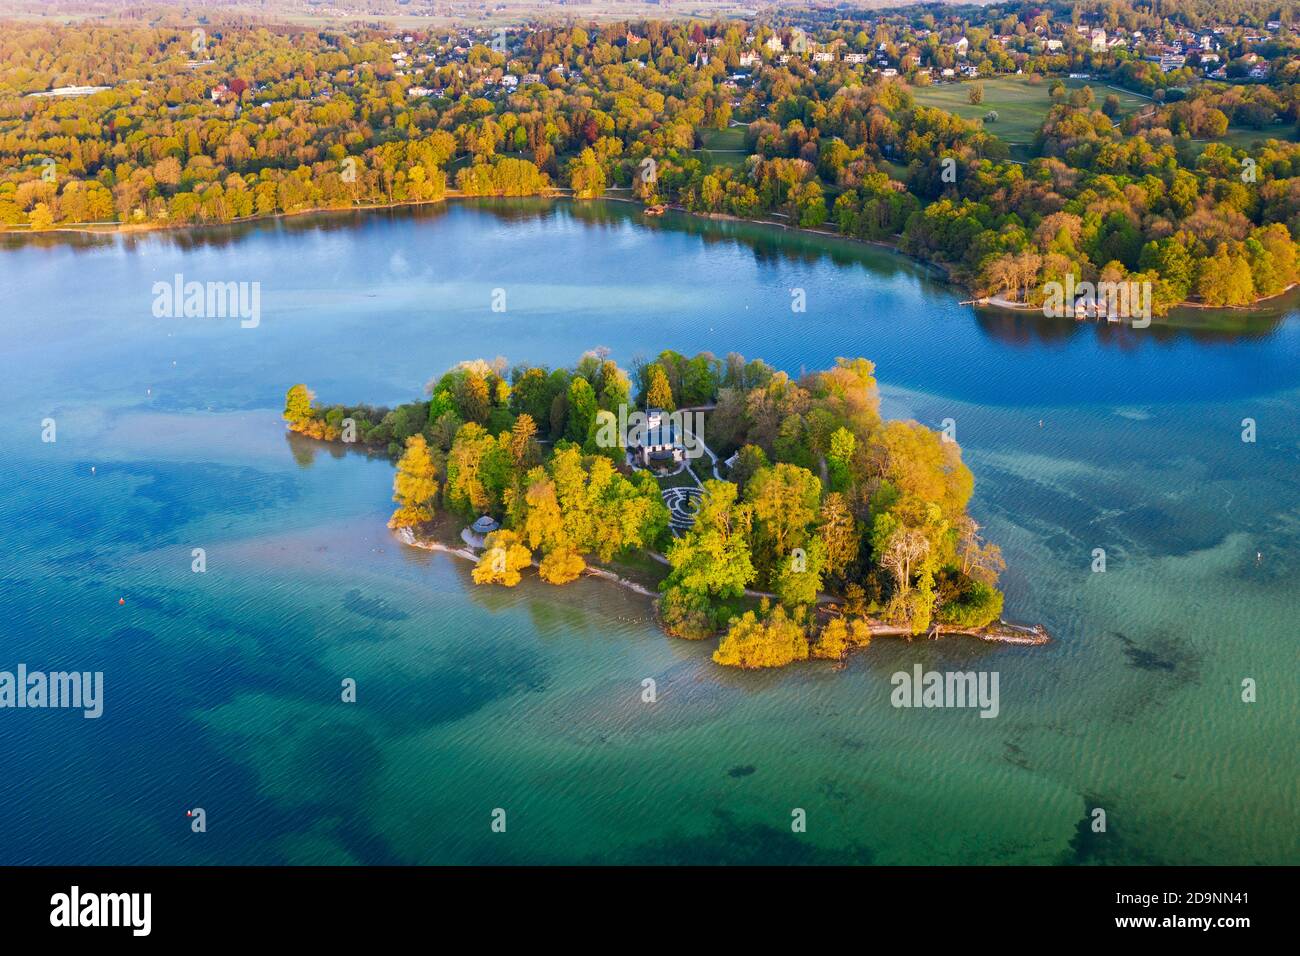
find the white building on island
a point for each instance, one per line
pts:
(660, 446)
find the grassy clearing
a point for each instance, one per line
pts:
(896, 170)
(1020, 106)
(682, 480)
(731, 138)
(1241, 137)
(721, 145)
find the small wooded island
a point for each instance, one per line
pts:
(783, 514)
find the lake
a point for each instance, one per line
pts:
(222, 688)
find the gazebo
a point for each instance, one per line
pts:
(485, 525)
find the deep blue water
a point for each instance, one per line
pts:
(222, 687)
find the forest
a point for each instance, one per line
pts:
(226, 122)
(829, 523)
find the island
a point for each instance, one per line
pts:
(782, 516)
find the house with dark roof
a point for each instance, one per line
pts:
(660, 445)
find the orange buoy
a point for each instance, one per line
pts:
(121, 601)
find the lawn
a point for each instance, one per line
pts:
(683, 480)
(1020, 106)
(1242, 137)
(726, 147)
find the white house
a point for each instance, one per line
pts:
(660, 444)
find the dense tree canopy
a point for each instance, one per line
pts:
(261, 120)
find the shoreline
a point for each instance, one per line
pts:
(1003, 632)
(945, 274)
(1010, 305)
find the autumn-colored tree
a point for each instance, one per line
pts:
(838, 530)
(773, 640)
(561, 566)
(473, 399)
(839, 636)
(659, 393)
(502, 559)
(523, 444)
(586, 176)
(785, 499)
(1225, 279)
(415, 486)
(297, 404)
(467, 489)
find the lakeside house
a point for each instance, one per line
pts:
(660, 445)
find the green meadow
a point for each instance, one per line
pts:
(1020, 105)
(726, 147)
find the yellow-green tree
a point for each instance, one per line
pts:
(523, 444)
(297, 404)
(839, 636)
(586, 175)
(502, 560)
(415, 486)
(561, 566)
(839, 531)
(771, 641)
(659, 394)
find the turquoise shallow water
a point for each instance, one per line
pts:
(222, 688)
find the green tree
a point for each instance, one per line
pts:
(1224, 279)
(582, 410)
(473, 398)
(713, 558)
(785, 499)
(799, 577)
